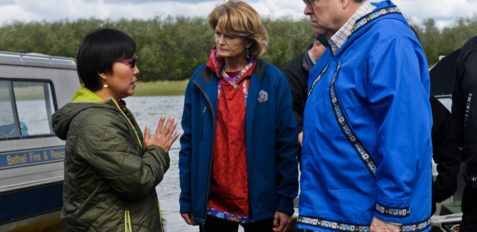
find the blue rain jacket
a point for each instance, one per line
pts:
(367, 131)
(271, 140)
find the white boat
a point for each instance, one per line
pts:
(32, 87)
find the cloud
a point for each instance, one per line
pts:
(140, 1)
(7, 2)
(51, 10)
(440, 10)
(444, 11)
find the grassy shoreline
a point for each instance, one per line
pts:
(161, 88)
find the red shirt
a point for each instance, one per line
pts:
(229, 177)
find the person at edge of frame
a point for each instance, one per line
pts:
(464, 106)
(445, 153)
(297, 71)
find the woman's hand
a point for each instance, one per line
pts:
(189, 218)
(164, 136)
(281, 221)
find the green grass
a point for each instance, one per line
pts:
(161, 88)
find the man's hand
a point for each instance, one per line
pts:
(300, 138)
(281, 221)
(381, 226)
(189, 218)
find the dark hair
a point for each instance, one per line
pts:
(322, 39)
(97, 54)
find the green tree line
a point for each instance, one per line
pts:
(171, 48)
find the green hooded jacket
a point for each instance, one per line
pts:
(110, 178)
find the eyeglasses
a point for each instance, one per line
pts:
(130, 61)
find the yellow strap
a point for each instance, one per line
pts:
(160, 214)
(130, 123)
(127, 221)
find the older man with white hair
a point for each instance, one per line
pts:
(366, 158)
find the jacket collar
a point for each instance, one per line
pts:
(340, 37)
(208, 75)
(207, 82)
(83, 94)
(307, 63)
(383, 9)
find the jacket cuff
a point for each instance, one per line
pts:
(161, 155)
(285, 205)
(392, 210)
(185, 208)
(154, 147)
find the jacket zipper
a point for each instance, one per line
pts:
(467, 109)
(346, 128)
(213, 139)
(317, 79)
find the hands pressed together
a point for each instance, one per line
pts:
(165, 134)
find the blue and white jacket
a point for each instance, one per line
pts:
(367, 130)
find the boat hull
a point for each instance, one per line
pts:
(32, 209)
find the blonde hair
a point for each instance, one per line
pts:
(237, 18)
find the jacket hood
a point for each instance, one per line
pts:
(214, 62)
(307, 62)
(82, 100)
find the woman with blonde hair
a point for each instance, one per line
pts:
(238, 158)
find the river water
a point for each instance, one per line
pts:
(147, 111)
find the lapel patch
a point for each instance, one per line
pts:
(262, 96)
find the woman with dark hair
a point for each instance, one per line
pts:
(111, 170)
(238, 158)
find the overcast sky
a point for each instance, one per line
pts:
(443, 11)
